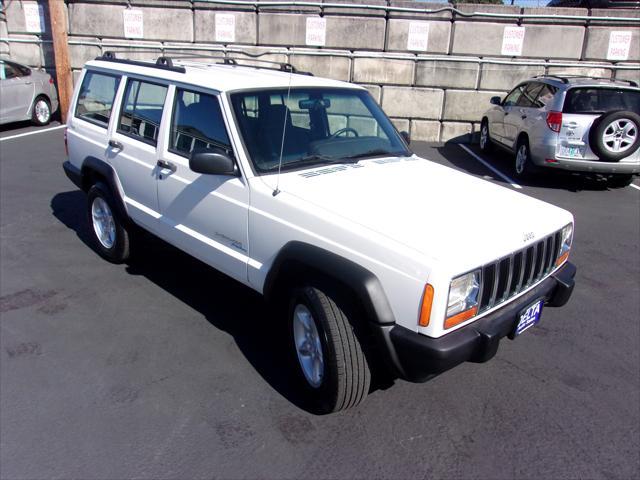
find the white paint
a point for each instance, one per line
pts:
(490, 167)
(33, 17)
(316, 31)
(512, 41)
(418, 39)
(635, 186)
(133, 23)
(32, 133)
(225, 27)
(619, 45)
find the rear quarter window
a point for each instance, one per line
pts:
(600, 100)
(95, 100)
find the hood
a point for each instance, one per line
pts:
(434, 210)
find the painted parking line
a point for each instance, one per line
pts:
(2, 139)
(491, 167)
(635, 186)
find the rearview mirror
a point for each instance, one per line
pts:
(212, 161)
(406, 136)
(495, 101)
(314, 103)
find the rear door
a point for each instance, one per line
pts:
(133, 147)
(204, 215)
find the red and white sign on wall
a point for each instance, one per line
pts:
(316, 31)
(225, 27)
(133, 23)
(418, 39)
(33, 17)
(512, 41)
(619, 45)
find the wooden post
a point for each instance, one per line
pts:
(61, 54)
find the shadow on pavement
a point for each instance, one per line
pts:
(504, 162)
(225, 303)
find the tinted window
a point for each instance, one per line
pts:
(320, 126)
(545, 95)
(197, 123)
(7, 71)
(513, 97)
(600, 100)
(528, 97)
(142, 110)
(95, 100)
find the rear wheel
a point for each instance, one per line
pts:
(333, 369)
(41, 114)
(524, 167)
(485, 138)
(110, 237)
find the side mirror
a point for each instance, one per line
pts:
(406, 136)
(495, 101)
(212, 161)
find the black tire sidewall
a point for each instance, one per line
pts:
(34, 117)
(119, 252)
(597, 131)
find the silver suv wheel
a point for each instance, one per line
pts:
(620, 135)
(521, 158)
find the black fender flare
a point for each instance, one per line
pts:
(364, 283)
(91, 167)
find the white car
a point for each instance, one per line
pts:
(374, 254)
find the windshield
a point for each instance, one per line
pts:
(321, 125)
(600, 100)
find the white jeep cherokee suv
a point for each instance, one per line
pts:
(302, 189)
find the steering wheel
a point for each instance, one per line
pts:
(344, 130)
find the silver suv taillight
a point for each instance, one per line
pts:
(554, 121)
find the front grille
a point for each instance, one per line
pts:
(514, 273)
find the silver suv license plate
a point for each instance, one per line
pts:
(528, 317)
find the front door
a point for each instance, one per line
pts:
(17, 90)
(204, 215)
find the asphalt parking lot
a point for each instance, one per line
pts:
(163, 368)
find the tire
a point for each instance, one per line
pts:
(523, 166)
(109, 235)
(620, 180)
(41, 112)
(345, 377)
(486, 144)
(615, 135)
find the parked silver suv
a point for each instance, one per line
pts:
(576, 123)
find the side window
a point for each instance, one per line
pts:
(95, 99)
(528, 97)
(142, 110)
(7, 71)
(513, 97)
(197, 123)
(545, 95)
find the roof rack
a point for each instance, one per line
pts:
(566, 78)
(163, 63)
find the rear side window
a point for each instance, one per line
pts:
(142, 110)
(95, 100)
(197, 123)
(600, 100)
(545, 95)
(528, 97)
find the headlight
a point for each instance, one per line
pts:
(566, 237)
(463, 298)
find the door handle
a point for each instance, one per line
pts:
(115, 144)
(166, 165)
(523, 117)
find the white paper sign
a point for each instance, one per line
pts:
(33, 17)
(316, 31)
(512, 41)
(418, 36)
(133, 23)
(225, 27)
(619, 45)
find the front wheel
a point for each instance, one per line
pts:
(485, 138)
(332, 365)
(524, 166)
(110, 237)
(41, 114)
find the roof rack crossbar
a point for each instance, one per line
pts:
(226, 60)
(163, 63)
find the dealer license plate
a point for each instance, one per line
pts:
(528, 317)
(573, 152)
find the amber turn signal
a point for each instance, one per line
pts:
(561, 259)
(425, 311)
(460, 317)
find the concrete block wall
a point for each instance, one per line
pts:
(437, 93)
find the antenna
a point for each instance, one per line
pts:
(284, 128)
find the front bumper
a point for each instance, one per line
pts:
(418, 357)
